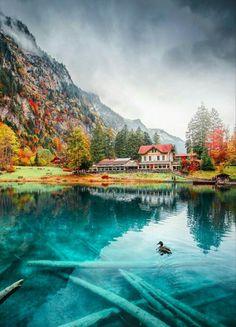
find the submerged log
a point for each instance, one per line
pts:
(99, 316)
(177, 306)
(143, 316)
(174, 317)
(93, 318)
(92, 264)
(8, 291)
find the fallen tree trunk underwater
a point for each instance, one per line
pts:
(174, 317)
(8, 291)
(174, 304)
(99, 316)
(143, 316)
(92, 264)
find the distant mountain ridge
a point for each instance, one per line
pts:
(116, 121)
(38, 98)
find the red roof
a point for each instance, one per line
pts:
(163, 148)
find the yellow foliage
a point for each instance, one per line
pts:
(9, 146)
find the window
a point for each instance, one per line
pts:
(145, 158)
(163, 157)
(150, 158)
(158, 158)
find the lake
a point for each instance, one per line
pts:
(116, 225)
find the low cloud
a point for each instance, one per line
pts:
(154, 60)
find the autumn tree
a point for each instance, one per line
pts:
(43, 157)
(9, 147)
(26, 156)
(78, 149)
(216, 145)
(231, 150)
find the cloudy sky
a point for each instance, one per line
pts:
(157, 60)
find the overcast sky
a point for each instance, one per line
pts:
(156, 60)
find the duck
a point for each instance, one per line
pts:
(163, 249)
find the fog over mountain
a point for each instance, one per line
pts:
(154, 60)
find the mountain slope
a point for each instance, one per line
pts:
(37, 96)
(39, 99)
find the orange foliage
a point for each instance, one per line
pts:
(217, 145)
(25, 155)
(58, 144)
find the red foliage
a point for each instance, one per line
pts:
(105, 177)
(35, 106)
(217, 145)
(189, 165)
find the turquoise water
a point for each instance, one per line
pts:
(116, 225)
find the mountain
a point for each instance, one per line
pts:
(38, 98)
(116, 121)
(37, 95)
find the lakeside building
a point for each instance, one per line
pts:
(159, 157)
(118, 164)
(155, 157)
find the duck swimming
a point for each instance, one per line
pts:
(163, 249)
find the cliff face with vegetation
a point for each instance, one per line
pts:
(38, 98)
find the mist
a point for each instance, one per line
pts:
(153, 60)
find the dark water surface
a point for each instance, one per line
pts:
(116, 224)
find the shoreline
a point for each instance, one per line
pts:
(90, 180)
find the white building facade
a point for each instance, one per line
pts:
(159, 157)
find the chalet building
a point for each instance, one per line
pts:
(119, 164)
(158, 157)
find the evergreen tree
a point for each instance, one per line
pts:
(146, 139)
(216, 121)
(78, 149)
(203, 122)
(132, 145)
(207, 163)
(109, 143)
(121, 143)
(156, 138)
(98, 143)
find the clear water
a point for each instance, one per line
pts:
(116, 224)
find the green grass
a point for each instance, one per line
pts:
(32, 172)
(150, 176)
(231, 170)
(31, 187)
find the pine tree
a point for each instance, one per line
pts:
(109, 143)
(202, 123)
(98, 143)
(216, 121)
(156, 138)
(121, 143)
(146, 139)
(207, 163)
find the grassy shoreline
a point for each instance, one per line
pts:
(56, 176)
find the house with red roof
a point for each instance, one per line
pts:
(160, 157)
